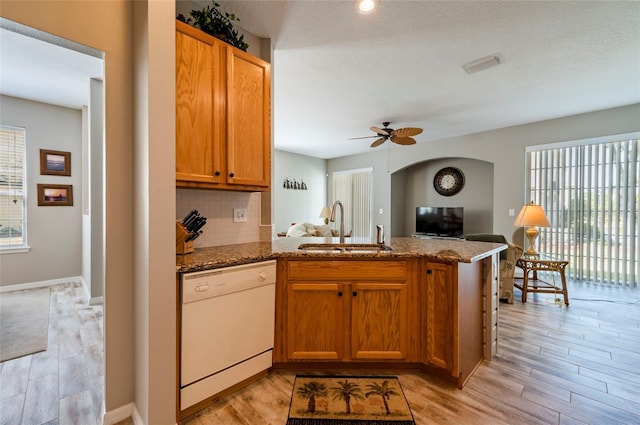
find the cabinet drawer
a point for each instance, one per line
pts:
(343, 269)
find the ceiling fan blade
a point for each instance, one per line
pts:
(378, 142)
(365, 137)
(407, 131)
(379, 131)
(403, 140)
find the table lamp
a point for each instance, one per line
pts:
(531, 216)
(325, 213)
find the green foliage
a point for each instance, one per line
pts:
(385, 391)
(346, 390)
(217, 24)
(310, 391)
(7, 232)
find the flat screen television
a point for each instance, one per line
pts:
(440, 221)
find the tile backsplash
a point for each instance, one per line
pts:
(218, 206)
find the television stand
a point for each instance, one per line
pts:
(448, 238)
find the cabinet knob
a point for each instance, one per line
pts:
(217, 173)
(339, 293)
(231, 175)
(355, 294)
(429, 271)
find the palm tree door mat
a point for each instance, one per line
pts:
(348, 400)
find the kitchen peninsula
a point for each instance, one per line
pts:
(424, 304)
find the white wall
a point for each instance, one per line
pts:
(153, 206)
(295, 206)
(476, 197)
(505, 148)
(54, 233)
(107, 26)
(95, 203)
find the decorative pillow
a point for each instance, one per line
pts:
(324, 230)
(299, 229)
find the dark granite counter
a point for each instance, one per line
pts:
(440, 250)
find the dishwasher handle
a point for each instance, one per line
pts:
(203, 287)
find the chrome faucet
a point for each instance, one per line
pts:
(333, 218)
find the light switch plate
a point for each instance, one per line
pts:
(239, 215)
(512, 212)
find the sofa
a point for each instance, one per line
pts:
(507, 262)
(308, 229)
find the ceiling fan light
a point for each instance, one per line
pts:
(365, 6)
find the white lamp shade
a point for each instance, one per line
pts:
(326, 212)
(532, 215)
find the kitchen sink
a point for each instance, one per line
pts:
(344, 247)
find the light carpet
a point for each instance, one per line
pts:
(24, 322)
(342, 400)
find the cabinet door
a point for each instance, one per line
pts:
(315, 319)
(440, 323)
(248, 120)
(198, 103)
(379, 321)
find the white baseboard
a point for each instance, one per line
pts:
(137, 420)
(96, 301)
(121, 413)
(43, 284)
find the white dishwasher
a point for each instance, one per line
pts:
(227, 328)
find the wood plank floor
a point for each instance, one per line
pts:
(555, 365)
(64, 384)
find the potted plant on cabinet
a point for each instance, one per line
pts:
(216, 23)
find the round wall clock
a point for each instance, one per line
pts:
(448, 181)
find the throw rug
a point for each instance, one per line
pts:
(348, 400)
(24, 322)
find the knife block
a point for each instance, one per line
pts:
(183, 247)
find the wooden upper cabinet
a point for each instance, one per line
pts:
(223, 115)
(248, 119)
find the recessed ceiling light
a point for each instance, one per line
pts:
(365, 6)
(483, 63)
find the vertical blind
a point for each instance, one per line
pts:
(590, 194)
(12, 205)
(353, 189)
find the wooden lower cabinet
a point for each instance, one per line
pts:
(408, 312)
(379, 321)
(360, 317)
(440, 312)
(315, 321)
(454, 317)
(342, 321)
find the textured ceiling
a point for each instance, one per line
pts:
(336, 72)
(44, 71)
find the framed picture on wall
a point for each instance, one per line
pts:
(55, 195)
(55, 163)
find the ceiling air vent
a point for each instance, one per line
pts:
(483, 63)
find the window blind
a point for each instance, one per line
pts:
(12, 193)
(590, 194)
(354, 189)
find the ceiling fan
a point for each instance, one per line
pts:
(401, 136)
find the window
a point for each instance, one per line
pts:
(353, 188)
(12, 189)
(590, 194)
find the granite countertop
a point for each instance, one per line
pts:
(441, 250)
